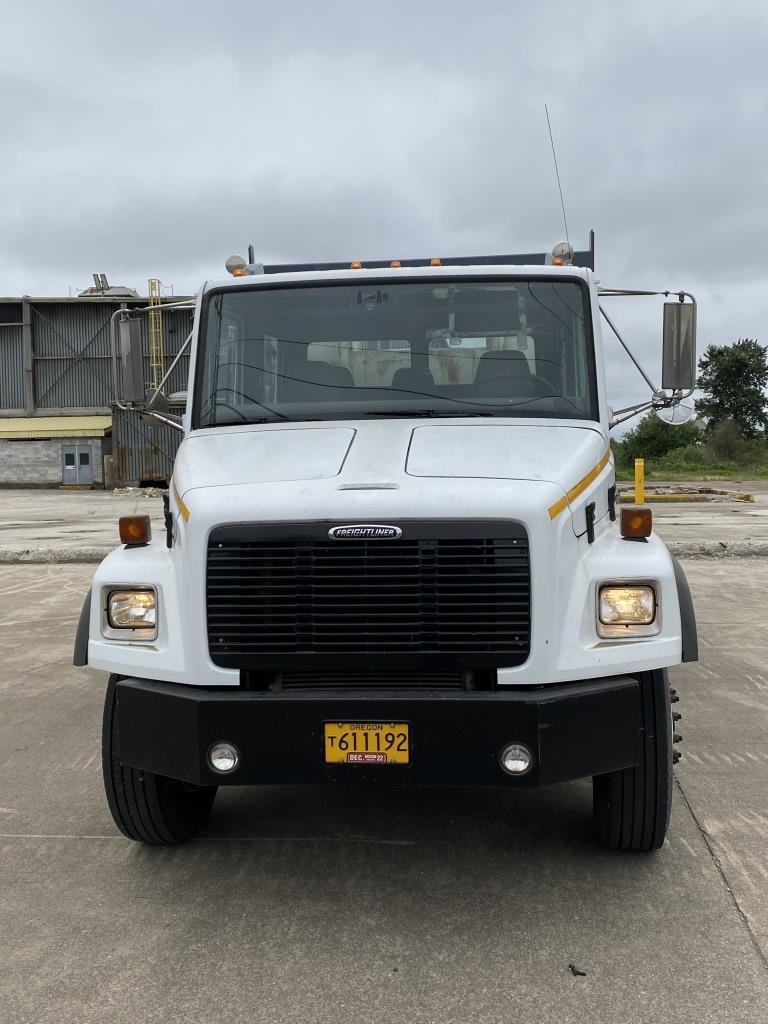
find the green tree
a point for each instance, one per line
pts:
(652, 438)
(733, 380)
(726, 441)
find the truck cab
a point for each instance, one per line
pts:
(393, 553)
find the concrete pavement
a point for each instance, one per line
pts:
(348, 905)
(736, 527)
(70, 525)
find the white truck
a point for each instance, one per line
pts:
(393, 549)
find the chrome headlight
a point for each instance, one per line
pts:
(130, 614)
(627, 609)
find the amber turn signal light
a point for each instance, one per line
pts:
(636, 523)
(135, 530)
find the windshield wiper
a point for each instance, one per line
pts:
(266, 419)
(217, 403)
(417, 413)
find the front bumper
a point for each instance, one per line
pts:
(575, 730)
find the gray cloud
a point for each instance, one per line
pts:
(155, 140)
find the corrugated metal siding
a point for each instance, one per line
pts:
(71, 346)
(11, 358)
(141, 452)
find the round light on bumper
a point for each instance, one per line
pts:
(223, 758)
(516, 759)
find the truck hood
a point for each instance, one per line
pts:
(281, 463)
(261, 455)
(505, 451)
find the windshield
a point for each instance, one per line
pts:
(461, 347)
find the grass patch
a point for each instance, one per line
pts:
(687, 452)
(696, 462)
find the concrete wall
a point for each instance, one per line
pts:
(40, 463)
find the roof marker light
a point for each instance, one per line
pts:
(236, 266)
(435, 262)
(562, 254)
(394, 263)
(356, 265)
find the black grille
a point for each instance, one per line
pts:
(290, 597)
(346, 680)
(311, 679)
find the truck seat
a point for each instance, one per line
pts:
(302, 382)
(504, 363)
(409, 379)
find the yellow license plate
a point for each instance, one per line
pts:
(365, 743)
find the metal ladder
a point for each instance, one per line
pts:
(156, 354)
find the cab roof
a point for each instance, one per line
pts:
(349, 276)
(508, 264)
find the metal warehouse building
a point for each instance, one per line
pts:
(58, 422)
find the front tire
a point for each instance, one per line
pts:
(148, 808)
(631, 807)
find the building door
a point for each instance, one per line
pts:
(69, 474)
(84, 468)
(77, 468)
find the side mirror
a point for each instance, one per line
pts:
(678, 367)
(131, 360)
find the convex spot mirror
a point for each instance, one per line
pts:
(155, 402)
(677, 414)
(678, 369)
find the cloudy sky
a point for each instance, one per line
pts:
(154, 139)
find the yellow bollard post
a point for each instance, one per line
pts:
(639, 481)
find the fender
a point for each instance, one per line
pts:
(687, 614)
(80, 657)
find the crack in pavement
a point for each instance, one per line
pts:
(724, 878)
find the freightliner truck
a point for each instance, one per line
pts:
(393, 549)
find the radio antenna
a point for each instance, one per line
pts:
(557, 174)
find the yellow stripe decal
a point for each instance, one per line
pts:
(581, 486)
(182, 507)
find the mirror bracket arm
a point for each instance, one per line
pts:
(124, 313)
(171, 368)
(163, 419)
(620, 415)
(627, 349)
(660, 399)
